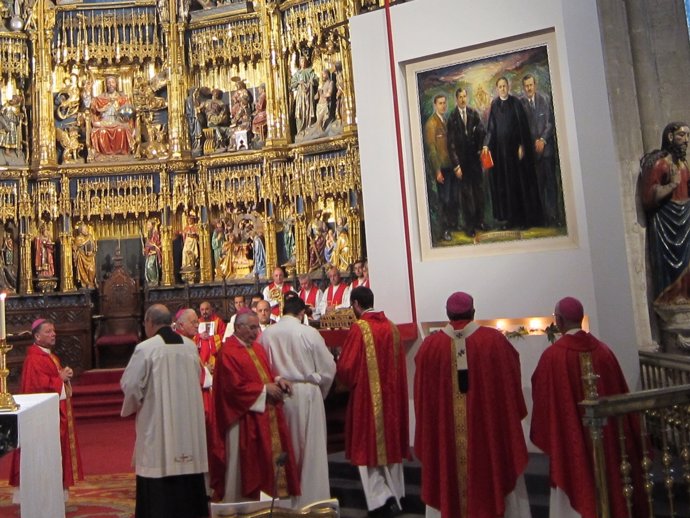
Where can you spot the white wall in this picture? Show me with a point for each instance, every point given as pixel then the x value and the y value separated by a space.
pixel 512 285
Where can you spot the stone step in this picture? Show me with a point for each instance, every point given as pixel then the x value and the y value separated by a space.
pixel 347 488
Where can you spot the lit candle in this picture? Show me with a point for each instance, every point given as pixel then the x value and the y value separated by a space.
pixel 3 328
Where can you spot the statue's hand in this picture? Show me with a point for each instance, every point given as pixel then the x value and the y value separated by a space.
pixel 675 175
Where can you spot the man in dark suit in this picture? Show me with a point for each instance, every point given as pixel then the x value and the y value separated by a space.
pixel 541 124
pixel 465 139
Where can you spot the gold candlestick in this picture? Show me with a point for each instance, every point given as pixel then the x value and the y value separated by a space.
pixel 7 402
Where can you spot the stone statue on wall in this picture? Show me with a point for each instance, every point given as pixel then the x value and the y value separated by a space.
pixel 13 137
pixel 44 249
pixel 303 86
pixel 8 261
pixel 325 106
pixel 152 253
pixel 217 242
pixel 84 249
pixel 112 122
pixel 317 240
pixel 342 256
pixel 67 100
pixel 196 117
pixel 217 115
pixel 664 190
pixel 259 250
pixel 190 247
pixel 260 119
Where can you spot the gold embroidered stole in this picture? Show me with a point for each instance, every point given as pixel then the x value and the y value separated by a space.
pixel 457 344
pixel 375 384
pixel 70 426
pixel 276 446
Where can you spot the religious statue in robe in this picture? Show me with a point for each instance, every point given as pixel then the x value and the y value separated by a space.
pixel 342 256
pixel 190 247
pixel 317 241
pixel 8 266
pixel 329 247
pixel 67 100
pixel 260 119
pixel 217 242
pixel 84 249
pixel 44 248
pixel 289 240
pixel 664 181
pixel 259 250
pixel 13 122
pixel 9 260
pixel 326 97
pixel 112 122
pixel 225 267
pixel 152 253
pixel 303 86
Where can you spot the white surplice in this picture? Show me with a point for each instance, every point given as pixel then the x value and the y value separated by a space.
pixel 299 354
pixel 161 384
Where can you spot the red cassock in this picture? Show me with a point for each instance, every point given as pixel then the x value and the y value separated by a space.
pixel 372 364
pixel 40 375
pixel 558 430
pixel 479 435
pixel 239 379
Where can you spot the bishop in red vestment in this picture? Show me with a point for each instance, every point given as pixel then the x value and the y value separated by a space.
pixel 248 403
pixel 469 407
pixel 42 373
pixel 557 428
pixel 372 366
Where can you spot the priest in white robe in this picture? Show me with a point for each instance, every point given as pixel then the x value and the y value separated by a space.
pixel 299 354
pixel 161 385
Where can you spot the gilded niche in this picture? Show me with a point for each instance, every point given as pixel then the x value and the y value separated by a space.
pixel 207 141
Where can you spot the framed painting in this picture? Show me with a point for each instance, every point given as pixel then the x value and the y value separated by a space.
pixel 489 149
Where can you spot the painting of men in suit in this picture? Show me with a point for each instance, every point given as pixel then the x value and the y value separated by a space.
pixel 500 155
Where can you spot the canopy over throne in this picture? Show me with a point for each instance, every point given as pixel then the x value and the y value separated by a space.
pixel 119 324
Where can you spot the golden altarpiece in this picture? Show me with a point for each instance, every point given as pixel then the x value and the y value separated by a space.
pixel 204 142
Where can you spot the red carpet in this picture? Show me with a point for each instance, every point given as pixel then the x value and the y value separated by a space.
pixel 108 489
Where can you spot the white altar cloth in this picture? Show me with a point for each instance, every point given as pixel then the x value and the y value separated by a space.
pixel 40 477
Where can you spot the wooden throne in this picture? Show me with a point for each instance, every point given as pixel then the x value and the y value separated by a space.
pixel 119 323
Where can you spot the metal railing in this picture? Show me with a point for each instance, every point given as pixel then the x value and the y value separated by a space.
pixel 659 370
pixel 662 412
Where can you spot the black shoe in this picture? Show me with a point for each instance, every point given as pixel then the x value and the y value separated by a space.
pixel 388 510
pixel 446 236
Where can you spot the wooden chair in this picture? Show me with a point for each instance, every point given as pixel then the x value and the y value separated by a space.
pixel 119 322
